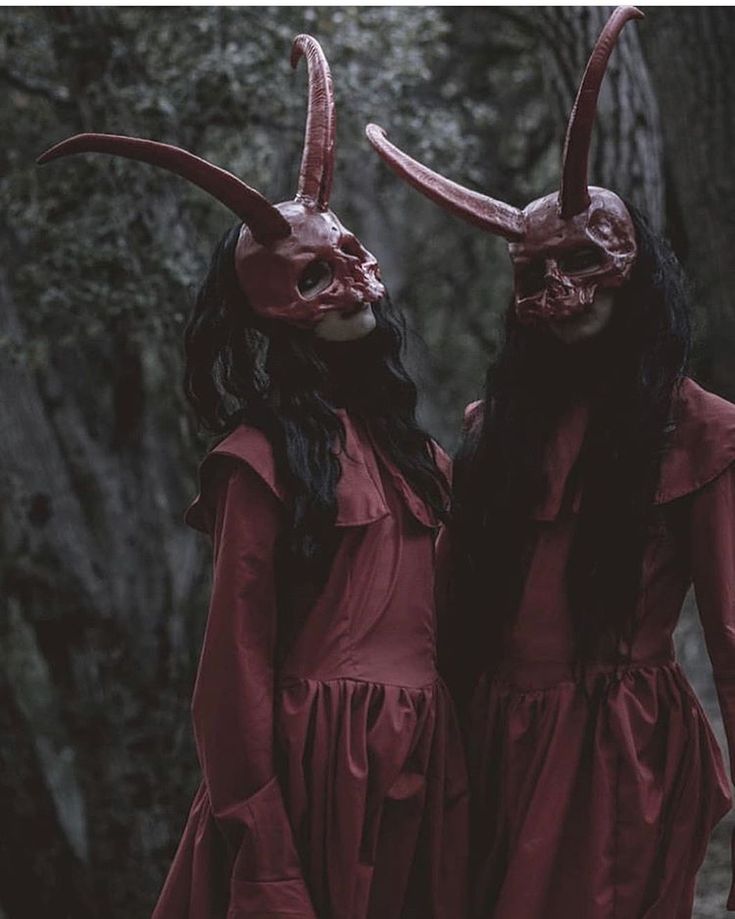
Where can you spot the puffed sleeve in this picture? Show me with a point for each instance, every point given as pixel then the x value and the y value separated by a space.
pixel 233 701
pixel 713 570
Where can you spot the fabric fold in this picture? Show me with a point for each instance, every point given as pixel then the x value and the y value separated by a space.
pixel 576 794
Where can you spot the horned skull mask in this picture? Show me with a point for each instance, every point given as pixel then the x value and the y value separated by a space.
pixel 565 245
pixel 294 261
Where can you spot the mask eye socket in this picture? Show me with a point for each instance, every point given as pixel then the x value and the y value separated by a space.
pixel 580 261
pixel 530 279
pixel 315 278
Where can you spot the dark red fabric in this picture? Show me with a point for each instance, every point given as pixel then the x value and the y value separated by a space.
pixel 596 800
pixel 334 787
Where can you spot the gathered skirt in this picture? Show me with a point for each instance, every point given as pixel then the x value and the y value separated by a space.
pixel 375 789
pixel 592 799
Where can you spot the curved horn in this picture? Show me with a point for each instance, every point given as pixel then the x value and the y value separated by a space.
pixel 317 162
pixel 266 223
pixel 487 213
pixel 573 196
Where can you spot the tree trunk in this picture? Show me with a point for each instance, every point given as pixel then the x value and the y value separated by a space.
pixel 102 586
pixel 690 51
pixel 98 583
pixel 627 146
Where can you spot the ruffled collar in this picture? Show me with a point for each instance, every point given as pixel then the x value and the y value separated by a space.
pixel 702 446
pixel 361 497
pixel 369 447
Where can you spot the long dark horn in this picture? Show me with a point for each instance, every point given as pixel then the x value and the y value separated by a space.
pixel 317 162
pixel 573 196
pixel 265 222
pixel 487 213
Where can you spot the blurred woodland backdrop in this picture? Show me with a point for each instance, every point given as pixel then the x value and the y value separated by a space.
pixel 104 590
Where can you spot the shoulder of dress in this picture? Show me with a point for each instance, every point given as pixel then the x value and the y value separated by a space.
pixel 251 446
pixel 702 442
pixel 245 444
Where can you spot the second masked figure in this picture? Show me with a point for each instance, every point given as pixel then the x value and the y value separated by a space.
pixel 596 483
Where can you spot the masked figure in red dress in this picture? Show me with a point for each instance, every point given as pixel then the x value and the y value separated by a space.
pixel 595 485
pixel 333 783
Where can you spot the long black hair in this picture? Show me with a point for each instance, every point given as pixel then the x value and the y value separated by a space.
pixel 241 368
pixel 629 374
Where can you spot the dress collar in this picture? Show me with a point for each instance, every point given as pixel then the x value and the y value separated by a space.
pixel 360 495
pixel 359 464
pixel 701 446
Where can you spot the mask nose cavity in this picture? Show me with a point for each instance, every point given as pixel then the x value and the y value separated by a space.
pixel 350 246
pixel 555 282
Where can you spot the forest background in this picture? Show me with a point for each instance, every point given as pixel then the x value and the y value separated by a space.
pixel 104 590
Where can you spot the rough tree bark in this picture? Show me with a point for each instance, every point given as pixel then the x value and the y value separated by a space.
pixel 95 559
pixel 690 50
pixel 99 581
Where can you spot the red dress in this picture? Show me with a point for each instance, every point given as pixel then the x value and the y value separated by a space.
pixel 599 805
pixel 334 786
